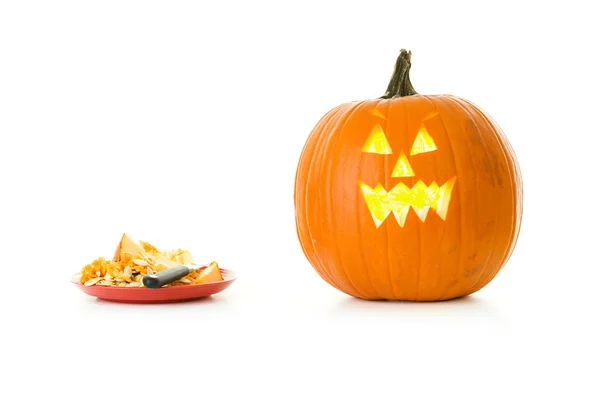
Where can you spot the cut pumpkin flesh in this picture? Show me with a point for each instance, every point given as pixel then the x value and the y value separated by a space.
pixel 212 273
pixel 127 245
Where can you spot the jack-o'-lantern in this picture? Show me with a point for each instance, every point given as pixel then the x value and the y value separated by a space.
pixel 408 197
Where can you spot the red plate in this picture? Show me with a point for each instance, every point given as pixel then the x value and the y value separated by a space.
pixel 163 295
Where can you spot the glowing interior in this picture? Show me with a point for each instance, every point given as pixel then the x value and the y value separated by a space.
pixel 398 200
pixel 402 167
pixel 377 142
pixel 423 142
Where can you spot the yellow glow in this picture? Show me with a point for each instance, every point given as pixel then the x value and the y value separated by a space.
pixel 377 113
pixel 398 200
pixel 400 215
pixel 443 202
pixel 377 201
pixel 423 142
pixel 377 142
pixel 402 167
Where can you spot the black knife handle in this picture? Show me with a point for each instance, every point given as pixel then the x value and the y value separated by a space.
pixel 161 278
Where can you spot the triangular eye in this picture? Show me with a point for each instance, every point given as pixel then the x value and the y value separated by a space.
pixel 423 143
pixel 402 167
pixel 377 142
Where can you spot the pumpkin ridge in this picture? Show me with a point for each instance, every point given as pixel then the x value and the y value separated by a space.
pixel 328 147
pixel 345 285
pixel 439 272
pixel 337 125
pixel 319 136
pixel 508 251
pixel 483 271
pixel 419 231
pixel 509 154
pixel 451 100
pixel 458 192
pixel 387 230
pixel 387 124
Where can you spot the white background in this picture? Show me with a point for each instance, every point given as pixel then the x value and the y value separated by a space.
pixel 181 123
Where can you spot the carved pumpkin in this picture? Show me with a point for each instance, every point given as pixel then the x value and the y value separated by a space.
pixel 407 197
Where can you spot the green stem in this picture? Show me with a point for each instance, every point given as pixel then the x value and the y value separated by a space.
pixel 400 85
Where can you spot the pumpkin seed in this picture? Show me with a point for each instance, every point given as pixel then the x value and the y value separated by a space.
pixel 139 262
pixel 92 281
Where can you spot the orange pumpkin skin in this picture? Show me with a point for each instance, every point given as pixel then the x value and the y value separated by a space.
pixel 434 259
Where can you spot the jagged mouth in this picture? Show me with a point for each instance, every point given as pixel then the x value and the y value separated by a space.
pixel 401 198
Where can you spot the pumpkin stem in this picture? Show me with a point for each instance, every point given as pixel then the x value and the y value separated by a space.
pixel 400 85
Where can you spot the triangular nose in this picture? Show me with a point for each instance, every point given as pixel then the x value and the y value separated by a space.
pixel 402 167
